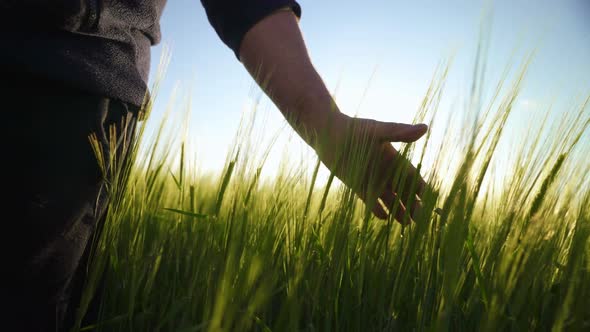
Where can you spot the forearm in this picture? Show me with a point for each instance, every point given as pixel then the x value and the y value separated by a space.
pixel 274 53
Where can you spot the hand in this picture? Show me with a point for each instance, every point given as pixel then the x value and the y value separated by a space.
pixel 359 153
pixel 275 55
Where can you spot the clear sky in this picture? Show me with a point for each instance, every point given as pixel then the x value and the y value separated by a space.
pixel 401 42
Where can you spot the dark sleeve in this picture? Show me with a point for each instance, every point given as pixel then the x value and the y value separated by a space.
pixel 231 19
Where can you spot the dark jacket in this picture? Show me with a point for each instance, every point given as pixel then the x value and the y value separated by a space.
pixel 103 46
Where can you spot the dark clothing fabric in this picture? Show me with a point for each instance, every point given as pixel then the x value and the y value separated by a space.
pixel 100 46
pixel 103 46
pixel 54 192
pixel 231 19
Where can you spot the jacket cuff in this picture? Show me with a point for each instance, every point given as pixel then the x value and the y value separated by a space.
pixel 232 20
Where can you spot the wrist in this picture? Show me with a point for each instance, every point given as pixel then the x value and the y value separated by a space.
pixel 315 111
pixel 317 115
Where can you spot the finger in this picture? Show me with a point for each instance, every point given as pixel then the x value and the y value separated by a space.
pixel 399 132
pixel 401 214
pixel 387 177
pixel 398 204
pixel 421 186
pixel 399 169
pixel 388 199
pixel 379 211
pixel 415 185
pixel 391 201
pixel 410 199
pixel 416 209
pixel 376 207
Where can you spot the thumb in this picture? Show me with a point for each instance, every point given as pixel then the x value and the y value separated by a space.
pixel 400 132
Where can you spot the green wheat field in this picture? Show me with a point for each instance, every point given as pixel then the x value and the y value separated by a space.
pixel 233 252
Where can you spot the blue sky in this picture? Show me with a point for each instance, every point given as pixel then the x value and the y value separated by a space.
pixel 400 42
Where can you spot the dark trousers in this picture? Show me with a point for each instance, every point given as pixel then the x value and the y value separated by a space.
pixel 53 195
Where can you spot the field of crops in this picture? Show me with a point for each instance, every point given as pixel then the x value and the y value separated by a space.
pixel 506 250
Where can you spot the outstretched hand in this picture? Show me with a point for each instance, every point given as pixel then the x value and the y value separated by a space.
pixel 360 154
pixel 358 151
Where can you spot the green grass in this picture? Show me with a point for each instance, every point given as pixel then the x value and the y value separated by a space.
pixel 182 252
